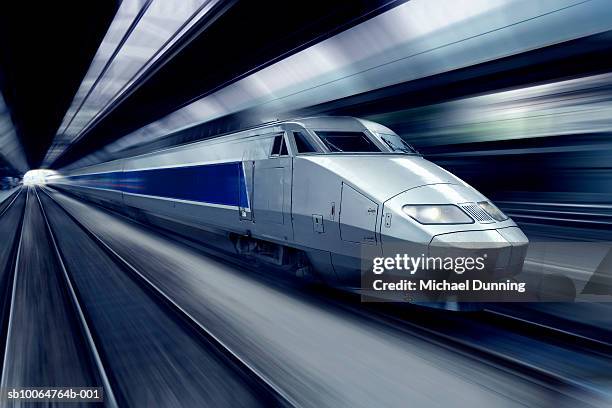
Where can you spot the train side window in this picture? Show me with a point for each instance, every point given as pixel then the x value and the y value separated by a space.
pixel 276 147
pixel 302 143
pixel 284 151
pixel 279 147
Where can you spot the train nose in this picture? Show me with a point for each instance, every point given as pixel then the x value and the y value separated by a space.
pixel 501 251
pixel 468 234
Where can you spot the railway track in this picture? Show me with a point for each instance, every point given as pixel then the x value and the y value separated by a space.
pixel 260 386
pixel 48 322
pixel 10 260
pixel 109 395
pixel 470 335
pixel 542 330
pixel 6 204
pixel 446 329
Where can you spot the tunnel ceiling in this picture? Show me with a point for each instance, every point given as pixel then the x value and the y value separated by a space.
pixel 45 50
pixel 246 37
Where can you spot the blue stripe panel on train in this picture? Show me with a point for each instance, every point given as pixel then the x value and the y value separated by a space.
pixel 221 183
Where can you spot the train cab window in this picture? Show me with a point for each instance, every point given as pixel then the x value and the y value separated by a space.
pixel 302 143
pixel 284 151
pixel 276 147
pixel 279 148
pixel 348 142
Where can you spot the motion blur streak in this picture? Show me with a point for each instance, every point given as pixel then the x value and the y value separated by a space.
pixel 571 107
pixel 10 148
pixel 397 46
pixel 140 35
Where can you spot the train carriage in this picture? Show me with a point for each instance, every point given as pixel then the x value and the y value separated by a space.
pixel 310 193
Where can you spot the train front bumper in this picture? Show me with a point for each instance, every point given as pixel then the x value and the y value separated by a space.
pixel 501 251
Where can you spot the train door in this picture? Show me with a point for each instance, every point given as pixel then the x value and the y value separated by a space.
pixel 272 192
pixel 245 190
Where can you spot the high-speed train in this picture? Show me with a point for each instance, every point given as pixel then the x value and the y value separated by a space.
pixel 310 194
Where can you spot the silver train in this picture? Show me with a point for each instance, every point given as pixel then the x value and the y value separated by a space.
pixel 310 195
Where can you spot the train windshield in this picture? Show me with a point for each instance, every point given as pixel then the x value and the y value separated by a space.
pixel 347 142
pixel 396 143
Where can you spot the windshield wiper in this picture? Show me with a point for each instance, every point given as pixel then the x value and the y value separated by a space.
pixel 388 143
pixel 406 149
pixel 330 144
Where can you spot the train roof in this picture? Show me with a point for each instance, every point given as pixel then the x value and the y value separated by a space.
pixel 340 123
pixel 346 123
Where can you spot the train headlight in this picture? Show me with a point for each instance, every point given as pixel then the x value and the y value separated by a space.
pixel 437 214
pixel 493 211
